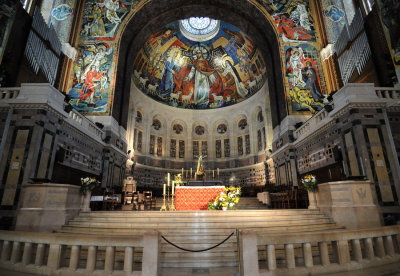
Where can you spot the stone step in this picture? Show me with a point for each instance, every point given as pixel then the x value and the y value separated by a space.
pixel 198 230
pixel 167 219
pixel 235 213
pixel 199 225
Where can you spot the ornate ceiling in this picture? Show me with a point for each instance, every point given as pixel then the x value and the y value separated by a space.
pixel 199 63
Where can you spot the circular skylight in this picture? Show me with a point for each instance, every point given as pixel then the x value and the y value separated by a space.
pixel 199 28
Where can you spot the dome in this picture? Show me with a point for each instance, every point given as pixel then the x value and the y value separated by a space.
pixel 199 63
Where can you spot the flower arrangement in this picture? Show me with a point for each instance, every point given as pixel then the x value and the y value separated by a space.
pixel 228 198
pixel 310 182
pixel 88 184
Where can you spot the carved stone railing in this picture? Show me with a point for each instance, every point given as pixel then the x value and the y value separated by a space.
pixel 318 252
pixel 387 93
pixel 351 93
pixel 78 119
pixel 7 93
pixel 68 254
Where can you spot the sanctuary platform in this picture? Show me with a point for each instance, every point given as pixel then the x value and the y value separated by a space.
pixel 205 183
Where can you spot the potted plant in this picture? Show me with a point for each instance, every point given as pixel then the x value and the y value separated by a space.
pixel 87 186
pixel 226 199
pixel 310 184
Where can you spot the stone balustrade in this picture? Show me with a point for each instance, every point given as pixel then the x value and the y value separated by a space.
pixel 65 254
pixel 318 252
pixel 8 93
pixel 387 92
pixel 353 93
pixel 83 123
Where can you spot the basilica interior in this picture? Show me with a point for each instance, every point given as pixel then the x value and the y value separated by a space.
pixel 136 117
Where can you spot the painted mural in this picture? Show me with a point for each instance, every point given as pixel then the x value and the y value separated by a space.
pixel 91 80
pixel 101 18
pixel 179 72
pixel 61 18
pixel 390 13
pixel 292 18
pixel 218 72
pixel 93 75
pixel 334 18
pixel 304 78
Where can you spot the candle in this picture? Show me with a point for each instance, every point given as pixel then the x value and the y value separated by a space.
pixel 191 173
pixel 173 187
pixel 168 179
pixel 218 172
pixel 182 172
pixel 213 174
pixel 164 189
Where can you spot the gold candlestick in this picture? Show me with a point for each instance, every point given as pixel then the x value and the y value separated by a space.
pixel 172 205
pixel 164 206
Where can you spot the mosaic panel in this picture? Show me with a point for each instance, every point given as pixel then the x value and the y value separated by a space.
pixel 304 79
pixel 292 19
pixel 390 12
pixel 219 72
pixel 334 18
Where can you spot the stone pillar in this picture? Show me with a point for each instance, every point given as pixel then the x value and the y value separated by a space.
pixel 271 257
pixel 53 262
pixel 369 248
pixel 151 257
pixel 380 250
pixel 248 254
pixel 289 252
pixel 128 259
pixel 308 260
pixel 91 258
pixel 26 256
pixel 16 252
pixel 357 250
pixel 323 248
pixel 5 251
pixel 389 245
pixel 109 262
pixel 343 252
pixel 39 254
pixel 74 260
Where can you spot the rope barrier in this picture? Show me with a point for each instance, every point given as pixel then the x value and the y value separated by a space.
pixel 201 250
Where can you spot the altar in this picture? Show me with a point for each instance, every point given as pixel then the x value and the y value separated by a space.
pixel 195 197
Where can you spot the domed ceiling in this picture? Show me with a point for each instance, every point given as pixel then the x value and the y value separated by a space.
pixel 199 63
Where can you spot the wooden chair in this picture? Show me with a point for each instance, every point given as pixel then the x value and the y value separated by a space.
pixel 149 201
pixel 129 189
pixel 109 200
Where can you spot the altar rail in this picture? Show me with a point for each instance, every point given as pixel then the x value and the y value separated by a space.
pixel 63 254
pixel 319 252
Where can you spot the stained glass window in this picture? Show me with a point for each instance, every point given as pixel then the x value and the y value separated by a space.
pixel 199 28
pixel 173 148
pixel 181 149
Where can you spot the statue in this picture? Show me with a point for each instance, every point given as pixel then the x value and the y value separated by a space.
pixel 200 168
pixel 130 163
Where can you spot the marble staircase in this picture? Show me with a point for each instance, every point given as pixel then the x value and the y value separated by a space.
pixel 197 230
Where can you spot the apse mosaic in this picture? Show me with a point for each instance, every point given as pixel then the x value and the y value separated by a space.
pixel 304 78
pixel 221 68
pixel 292 19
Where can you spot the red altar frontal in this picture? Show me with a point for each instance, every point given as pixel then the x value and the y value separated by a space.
pixel 195 197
